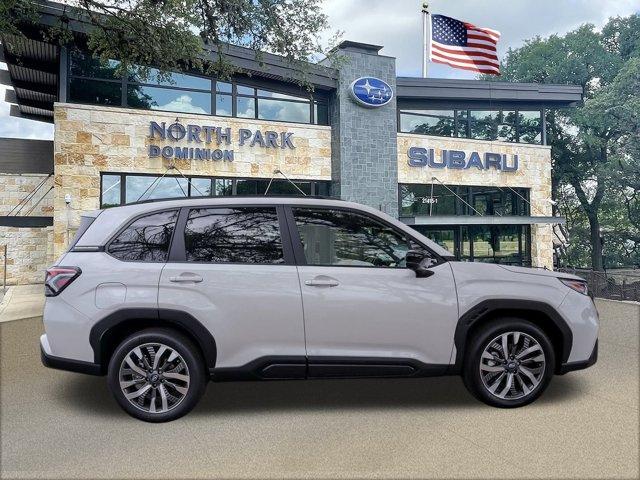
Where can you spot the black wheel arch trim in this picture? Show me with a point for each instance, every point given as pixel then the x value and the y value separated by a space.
pixel 164 317
pixel 510 307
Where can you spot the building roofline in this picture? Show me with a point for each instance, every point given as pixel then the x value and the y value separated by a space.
pixel 413 88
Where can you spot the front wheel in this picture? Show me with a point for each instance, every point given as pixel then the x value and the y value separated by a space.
pixel 156 375
pixel 509 363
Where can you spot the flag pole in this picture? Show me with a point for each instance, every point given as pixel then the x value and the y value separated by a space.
pixel 426 37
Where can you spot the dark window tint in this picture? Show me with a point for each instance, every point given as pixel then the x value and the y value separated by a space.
pixel 233 235
pixel 95 92
pixel 342 238
pixel 146 239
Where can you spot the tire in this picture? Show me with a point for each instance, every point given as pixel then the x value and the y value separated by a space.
pixel 162 389
pixel 524 375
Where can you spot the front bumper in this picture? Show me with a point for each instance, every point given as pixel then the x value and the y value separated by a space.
pixel 68 364
pixel 573 366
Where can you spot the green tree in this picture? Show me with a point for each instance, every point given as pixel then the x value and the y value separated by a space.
pixel 172 35
pixel 594 146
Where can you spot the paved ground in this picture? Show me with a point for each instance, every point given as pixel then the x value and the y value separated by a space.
pixel 63 425
pixel 22 301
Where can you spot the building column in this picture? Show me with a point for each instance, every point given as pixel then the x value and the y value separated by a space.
pixel 364 140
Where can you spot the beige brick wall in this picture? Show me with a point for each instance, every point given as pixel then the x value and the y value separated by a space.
pixel 29 252
pixel 92 139
pixel 534 173
pixel 15 188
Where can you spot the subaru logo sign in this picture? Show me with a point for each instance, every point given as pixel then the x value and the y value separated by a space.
pixel 371 92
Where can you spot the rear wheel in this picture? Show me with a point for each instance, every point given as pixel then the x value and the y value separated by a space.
pixel 509 363
pixel 157 375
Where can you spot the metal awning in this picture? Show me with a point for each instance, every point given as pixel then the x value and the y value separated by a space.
pixel 481 220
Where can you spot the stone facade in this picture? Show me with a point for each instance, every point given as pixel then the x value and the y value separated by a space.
pixel 364 139
pixel 534 173
pixel 29 253
pixel 92 139
pixel 29 250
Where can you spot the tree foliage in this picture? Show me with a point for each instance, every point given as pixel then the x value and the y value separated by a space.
pixel 171 35
pixel 595 147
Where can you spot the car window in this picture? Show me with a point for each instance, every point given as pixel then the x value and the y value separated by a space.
pixel 146 239
pixel 233 235
pixel 345 238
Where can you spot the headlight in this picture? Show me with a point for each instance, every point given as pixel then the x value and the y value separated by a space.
pixel 579 286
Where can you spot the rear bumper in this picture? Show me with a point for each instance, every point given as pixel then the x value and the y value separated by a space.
pixel 70 365
pixel 573 366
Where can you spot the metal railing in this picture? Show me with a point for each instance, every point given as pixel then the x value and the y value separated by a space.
pixel 619 284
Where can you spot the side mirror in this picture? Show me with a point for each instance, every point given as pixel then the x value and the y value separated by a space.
pixel 419 262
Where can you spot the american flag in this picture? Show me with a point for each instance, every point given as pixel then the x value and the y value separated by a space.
pixel 463 45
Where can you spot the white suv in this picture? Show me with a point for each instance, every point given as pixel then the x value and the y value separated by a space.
pixel 163 296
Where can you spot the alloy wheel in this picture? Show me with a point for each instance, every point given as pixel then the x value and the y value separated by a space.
pixel 154 377
pixel 512 365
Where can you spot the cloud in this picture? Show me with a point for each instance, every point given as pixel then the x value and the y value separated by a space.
pixel 397 25
pixel 183 103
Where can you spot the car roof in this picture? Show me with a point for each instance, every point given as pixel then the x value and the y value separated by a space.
pixel 110 220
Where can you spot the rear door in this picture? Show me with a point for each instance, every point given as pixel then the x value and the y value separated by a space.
pixel 232 271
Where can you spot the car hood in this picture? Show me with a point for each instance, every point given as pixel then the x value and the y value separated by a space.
pixel 494 270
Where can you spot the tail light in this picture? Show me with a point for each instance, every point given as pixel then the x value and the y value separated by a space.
pixel 58 278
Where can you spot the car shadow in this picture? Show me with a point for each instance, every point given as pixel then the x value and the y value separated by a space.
pixel 316 395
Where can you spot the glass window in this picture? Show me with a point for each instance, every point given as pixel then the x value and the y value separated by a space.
pixel 245 107
pixel 283 187
pixel 445 238
pixel 223 187
pixel 529 127
pixel 95 92
pixel 223 87
pixel 483 125
pixel 83 64
pixel 267 93
pixel 146 239
pixel 321 113
pixel 200 187
pixel 418 200
pixel 341 238
pixel 246 187
pixel 283 111
pixel 462 119
pixel 506 124
pixel 157 98
pixel 152 75
pixel 223 105
pixel 142 187
pixel 233 235
pixel 242 90
pixel 110 191
pixel 323 189
pixel 428 122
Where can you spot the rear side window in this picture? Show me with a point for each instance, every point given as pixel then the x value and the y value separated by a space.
pixel 85 223
pixel 233 235
pixel 146 239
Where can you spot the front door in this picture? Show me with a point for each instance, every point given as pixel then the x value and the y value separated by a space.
pixel 230 269
pixel 361 304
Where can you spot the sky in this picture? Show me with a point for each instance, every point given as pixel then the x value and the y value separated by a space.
pixel 397 25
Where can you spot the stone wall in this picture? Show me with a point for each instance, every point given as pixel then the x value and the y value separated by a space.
pixel 534 173
pixel 92 139
pixel 364 139
pixel 29 250
pixel 15 188
pixel 29 253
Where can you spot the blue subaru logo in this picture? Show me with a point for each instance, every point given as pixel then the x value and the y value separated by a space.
pixel 371 92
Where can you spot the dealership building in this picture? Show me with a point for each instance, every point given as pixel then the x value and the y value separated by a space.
pixel 464 162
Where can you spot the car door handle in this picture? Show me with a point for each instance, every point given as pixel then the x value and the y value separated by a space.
pixel 322 281
pixel 186 278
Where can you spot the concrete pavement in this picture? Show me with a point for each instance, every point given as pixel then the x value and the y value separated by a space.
pixel 22 301
pixel 62 425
